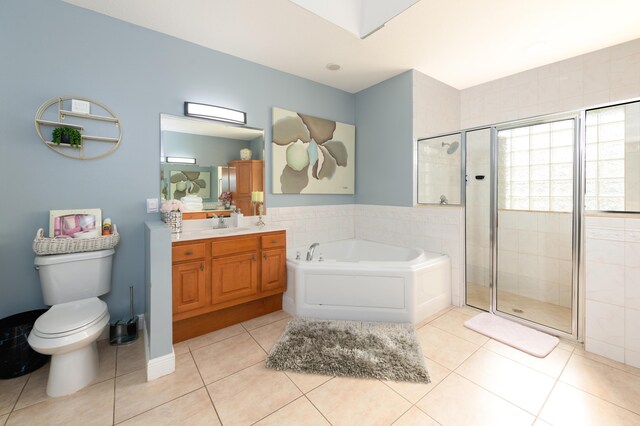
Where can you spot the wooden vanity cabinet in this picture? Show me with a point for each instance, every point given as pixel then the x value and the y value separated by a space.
pixel 208 214
pixel 274 263
pixel 188 276
pixel 222 281
pixel 249 178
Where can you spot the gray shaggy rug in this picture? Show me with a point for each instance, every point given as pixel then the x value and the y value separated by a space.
pixel 387 351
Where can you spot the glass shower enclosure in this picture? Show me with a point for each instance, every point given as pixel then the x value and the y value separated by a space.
pixel 522 221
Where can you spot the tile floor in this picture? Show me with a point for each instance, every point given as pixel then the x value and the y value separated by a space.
pixel 220 379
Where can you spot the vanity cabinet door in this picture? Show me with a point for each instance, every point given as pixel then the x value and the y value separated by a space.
pixel 189 286
pixel 234 277
pixel 274 270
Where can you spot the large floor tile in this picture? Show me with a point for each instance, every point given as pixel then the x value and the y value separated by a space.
pixel 180 348
pixel 299 412
pixel 570 406
pixel 134 395
pixel 131 357
pixel 192 409
pixel 36 388
pixel 214 337
pixel 265 319
pixel 603 381
pixel 550 365
pixel 349 401
pixel 457 401
pixel 107 361
pixel 307 382
pixel 90 406
pixel 434 316
pixel 610 362
pixel 10 390
pixel 221 359
pixel 443 347
pixel 518 384
pixel 453 322
pixel 415 417
pixel 268 335
pixel 413 392
pixel 252 394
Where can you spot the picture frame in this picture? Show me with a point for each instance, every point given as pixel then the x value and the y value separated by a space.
pixel 77 223
pixel 311 155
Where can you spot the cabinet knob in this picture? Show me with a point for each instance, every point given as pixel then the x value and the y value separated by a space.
pixel 264 256
pixel 188 253
pixel 202 266
pixel 254 258
pixel 274 241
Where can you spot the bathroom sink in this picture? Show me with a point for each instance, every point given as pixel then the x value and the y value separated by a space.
pixel 203 233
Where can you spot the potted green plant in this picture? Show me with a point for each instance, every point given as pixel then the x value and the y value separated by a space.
pixel 66 135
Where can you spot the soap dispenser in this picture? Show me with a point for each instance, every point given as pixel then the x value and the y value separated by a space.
pixel 236 218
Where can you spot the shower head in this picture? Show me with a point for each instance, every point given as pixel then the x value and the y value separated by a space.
pixel 453 146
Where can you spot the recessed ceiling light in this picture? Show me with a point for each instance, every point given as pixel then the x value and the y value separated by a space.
pixel 333 67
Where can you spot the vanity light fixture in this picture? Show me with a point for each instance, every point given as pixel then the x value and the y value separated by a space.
pixel 181 160
pixel 212 112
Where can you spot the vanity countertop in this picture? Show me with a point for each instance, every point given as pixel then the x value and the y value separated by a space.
pixel 205 233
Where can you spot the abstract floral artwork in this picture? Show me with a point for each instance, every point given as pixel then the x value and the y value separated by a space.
pixel 184 182
pixel 312 155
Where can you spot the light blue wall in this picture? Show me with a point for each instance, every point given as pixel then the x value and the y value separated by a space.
pixel 384 148
pixel 50 48
pixel 158 292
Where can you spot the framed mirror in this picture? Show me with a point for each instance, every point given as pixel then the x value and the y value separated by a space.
pixel 203 163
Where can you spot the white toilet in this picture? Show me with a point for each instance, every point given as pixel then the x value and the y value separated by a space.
pixel 71 284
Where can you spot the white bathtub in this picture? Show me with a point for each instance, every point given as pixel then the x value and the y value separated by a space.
pixel 367 281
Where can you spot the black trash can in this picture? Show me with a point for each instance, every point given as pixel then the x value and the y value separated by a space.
pixel 16 356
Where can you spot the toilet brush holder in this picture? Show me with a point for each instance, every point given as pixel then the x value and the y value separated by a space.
pixel 123 332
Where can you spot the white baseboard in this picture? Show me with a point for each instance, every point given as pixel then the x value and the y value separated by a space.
pixel 160 366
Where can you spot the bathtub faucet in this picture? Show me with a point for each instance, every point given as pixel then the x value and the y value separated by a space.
pixel 311 250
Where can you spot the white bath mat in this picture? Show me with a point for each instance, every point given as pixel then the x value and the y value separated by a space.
pixel 526 339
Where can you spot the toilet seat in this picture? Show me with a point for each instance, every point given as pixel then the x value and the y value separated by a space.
pixel 70 318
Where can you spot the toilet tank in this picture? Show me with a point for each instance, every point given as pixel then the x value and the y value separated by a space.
pixel 75 276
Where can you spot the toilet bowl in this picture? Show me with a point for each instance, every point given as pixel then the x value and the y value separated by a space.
pixel 69 329
pixel 68 332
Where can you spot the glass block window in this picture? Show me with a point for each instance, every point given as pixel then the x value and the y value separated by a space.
pixel 535 167
pixel 605 159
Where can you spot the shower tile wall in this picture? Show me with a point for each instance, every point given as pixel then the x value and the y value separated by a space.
pixel 439 170
pixel 534 252
pixel 479 210
pixel 610 74
pixel 612 257
pixel 605 75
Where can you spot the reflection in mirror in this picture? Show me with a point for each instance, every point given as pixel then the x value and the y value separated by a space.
pixel 439 170
pixel 613 158
pixel 228 158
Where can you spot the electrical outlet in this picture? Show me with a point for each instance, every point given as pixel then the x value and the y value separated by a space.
pixel 152 205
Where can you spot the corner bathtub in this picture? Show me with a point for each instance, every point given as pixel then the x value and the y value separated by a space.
pixel 367 281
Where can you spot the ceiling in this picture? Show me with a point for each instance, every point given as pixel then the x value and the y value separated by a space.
pixel 459 42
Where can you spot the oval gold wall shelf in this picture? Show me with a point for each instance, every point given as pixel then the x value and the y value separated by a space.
pixel 75 120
